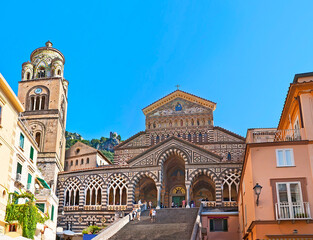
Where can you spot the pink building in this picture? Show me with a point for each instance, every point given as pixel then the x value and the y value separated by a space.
pixel 275 196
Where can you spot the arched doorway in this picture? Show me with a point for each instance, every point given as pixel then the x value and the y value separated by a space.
pixel 174 189
pixel 202 189
pixel 145 190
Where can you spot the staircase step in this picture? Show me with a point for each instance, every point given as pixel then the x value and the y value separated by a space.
pixel 171 223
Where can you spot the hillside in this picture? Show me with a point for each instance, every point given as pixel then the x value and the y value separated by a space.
pixel 104 144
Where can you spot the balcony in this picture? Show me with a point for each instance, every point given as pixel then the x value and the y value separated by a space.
pixel 18 181
pixel 273 135
pixel 292 211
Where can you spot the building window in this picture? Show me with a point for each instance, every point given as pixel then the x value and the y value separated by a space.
pixel 12 227
pixel 284 157
pixel 290 203
pixel 87 161
pixel 93 192
pixel 218 225
pixel 28 75
pixel 82 161
pixel 21 141
pixel 76 162
pixel 31 156
pixel 289 192
pixel 230 187
pixel 29 181
pixel 229 156
pixel 72 193
pixel 41 207
pixel 117 191
pixel 72 163
pixel 19 168
pixel 41 72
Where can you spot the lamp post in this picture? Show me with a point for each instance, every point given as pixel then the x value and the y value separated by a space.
pixel 257 190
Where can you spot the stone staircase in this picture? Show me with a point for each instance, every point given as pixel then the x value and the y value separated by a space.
pixel 170 224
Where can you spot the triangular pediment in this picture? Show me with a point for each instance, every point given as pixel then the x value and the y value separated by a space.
pixel 190 152
pixel 180 96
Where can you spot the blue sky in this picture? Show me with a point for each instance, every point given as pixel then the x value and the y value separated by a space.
pixel 123 55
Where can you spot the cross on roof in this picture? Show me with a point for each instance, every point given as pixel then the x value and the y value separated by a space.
pixel 177 86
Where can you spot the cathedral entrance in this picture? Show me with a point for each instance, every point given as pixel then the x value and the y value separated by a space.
pixel 174 181
pixel 145 190
pixel 178 195
pixel 203 189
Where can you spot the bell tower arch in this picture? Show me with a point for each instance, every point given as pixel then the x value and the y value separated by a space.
pixel 43 93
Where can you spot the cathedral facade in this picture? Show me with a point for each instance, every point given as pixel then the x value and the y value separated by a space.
pixel 180 156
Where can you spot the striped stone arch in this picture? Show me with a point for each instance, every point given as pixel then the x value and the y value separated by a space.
pixel 170 152
pixel 228 171
pixel 141 175
pixel 202 171
pixel 107 185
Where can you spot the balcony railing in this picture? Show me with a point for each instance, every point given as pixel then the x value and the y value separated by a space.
pixel 208 203
pixel 18 177
pixel 229 204
pixel 292 211
pixel 274 135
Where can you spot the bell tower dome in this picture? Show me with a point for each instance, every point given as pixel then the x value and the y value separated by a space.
pixel 43 93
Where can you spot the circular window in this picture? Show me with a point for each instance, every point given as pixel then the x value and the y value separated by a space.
pixel 77 150
pixel 38 90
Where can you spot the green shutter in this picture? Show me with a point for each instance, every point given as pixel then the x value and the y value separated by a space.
pixel 41 207
pixel 31 153
pixel 16 202
pixel 211 225
pixel 22 140
pixel 29 181
pixel 52 212
pixel 19 168
pixel 225 225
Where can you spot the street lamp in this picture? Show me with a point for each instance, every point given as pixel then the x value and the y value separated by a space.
pixel 257 190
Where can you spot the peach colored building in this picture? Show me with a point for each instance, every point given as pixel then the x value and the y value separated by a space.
pixel 281 162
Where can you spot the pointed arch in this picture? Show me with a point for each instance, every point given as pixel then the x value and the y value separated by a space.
pixel 71 191
pixel 93 186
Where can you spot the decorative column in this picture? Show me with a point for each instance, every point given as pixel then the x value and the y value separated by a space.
pixel 188 195
pixel 218 192
pixel 159 190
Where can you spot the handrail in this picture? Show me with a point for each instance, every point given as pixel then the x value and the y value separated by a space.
pixel 292 210
pixel 197 225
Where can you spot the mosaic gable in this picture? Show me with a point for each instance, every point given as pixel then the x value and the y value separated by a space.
pixel 179 106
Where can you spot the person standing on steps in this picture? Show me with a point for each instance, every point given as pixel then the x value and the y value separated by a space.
pixel 184 203
pixel 173 204
pixel 138 213
pixel 153 214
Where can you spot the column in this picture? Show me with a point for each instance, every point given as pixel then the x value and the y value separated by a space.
pixel 188 195
pixel 159 190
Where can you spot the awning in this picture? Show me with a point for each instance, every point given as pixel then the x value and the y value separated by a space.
pixel 43 183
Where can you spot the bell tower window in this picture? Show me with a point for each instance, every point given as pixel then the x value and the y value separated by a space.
pixel 41 72
pixel 28 75
pixel 59 72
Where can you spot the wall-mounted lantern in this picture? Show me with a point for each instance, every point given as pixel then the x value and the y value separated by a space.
pixel 257 190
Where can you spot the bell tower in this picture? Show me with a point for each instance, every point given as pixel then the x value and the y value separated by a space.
pixel 43 93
